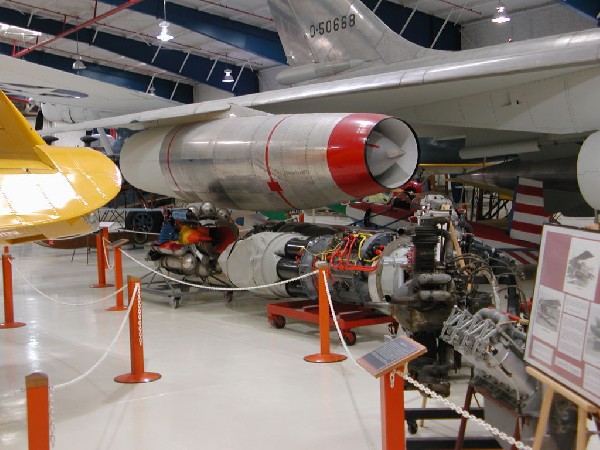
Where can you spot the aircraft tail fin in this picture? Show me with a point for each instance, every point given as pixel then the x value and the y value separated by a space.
pixel 20 142
pixel 528 214
pixel 336 31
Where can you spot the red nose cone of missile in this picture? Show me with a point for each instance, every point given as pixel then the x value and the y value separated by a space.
pixel 369 153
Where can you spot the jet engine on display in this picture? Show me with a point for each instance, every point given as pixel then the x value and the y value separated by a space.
pixel 446 289
pixel 273 162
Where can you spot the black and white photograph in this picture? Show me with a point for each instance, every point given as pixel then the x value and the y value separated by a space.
pixel 583 264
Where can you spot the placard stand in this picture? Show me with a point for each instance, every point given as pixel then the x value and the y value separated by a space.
pixel 584 408
pixel 384 363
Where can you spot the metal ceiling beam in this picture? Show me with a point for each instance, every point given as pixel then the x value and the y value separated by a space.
pixel 422 28
pixel 85 24
pixel 252 39
pixel 196 68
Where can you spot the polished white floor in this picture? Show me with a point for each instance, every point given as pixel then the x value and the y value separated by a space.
pixel 229 381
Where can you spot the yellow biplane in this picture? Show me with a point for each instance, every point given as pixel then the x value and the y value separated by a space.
pixel 46 191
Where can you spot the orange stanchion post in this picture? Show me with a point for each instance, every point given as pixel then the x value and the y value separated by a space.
pixel 9 312
pixel 118 267
pixel 325 356
pixel 101 239
pixel 392 410
pixel 136 340
pixel 38 411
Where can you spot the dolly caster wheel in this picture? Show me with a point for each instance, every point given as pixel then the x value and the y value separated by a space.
pixel 174 302
pixel 277 321
pixel 412 426
pixel 349 337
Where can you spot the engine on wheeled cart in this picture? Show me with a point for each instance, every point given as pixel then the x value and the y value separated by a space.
pixel 191 240
pixel 443 286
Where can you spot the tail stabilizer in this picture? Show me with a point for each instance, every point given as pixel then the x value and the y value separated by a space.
pixel 334 31
pixel 47 191
pixel 19 141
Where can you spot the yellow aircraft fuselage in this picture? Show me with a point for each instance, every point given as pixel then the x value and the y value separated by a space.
pixel 46 191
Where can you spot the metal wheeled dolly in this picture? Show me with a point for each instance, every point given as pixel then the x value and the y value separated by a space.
pixel 348 316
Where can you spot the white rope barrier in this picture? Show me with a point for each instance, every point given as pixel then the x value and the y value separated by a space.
pixel 92 302
pixel 424 389
pixel 337 325
pixel 148 233
pixel 136 291
pixel 105 244
pixel 56 387
pixel 215 288
pixel 464 413
pixel 12 393
pixel 520 445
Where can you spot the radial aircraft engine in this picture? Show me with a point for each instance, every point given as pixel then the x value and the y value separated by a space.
pixel 268 162
pixel 445 288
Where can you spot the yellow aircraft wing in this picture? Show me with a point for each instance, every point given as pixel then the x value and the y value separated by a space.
pixel 46 191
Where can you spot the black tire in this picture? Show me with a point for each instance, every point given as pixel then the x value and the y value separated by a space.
pixel 150 221
pixel 412 426
pixel 277 321
pixel 349 337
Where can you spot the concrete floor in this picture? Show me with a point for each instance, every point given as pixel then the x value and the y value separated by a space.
pixel 229 380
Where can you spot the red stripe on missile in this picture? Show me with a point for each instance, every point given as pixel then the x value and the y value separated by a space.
pixel 346 155
pixel 177 130
pixel 273 185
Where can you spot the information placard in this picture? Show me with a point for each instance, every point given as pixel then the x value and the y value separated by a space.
pixel 395 353
pixel 564 332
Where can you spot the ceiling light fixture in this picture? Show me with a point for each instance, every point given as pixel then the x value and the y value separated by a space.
pixel 164 26
pixel 501 15
pixel 78 64
pixel 164 33
pixel 227 78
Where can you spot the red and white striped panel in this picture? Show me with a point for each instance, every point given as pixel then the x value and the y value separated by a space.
pixel 522 252
pixel 528 214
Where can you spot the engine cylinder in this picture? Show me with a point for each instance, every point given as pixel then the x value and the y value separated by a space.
pixel 184 264
pixel 287 268
pixel 295 246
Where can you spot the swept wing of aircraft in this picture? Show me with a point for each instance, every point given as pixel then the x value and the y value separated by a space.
pixel 512 98
pixel 67 97
pixel 45 191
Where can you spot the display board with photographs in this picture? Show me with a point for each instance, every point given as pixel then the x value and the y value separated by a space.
pixel 564 332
